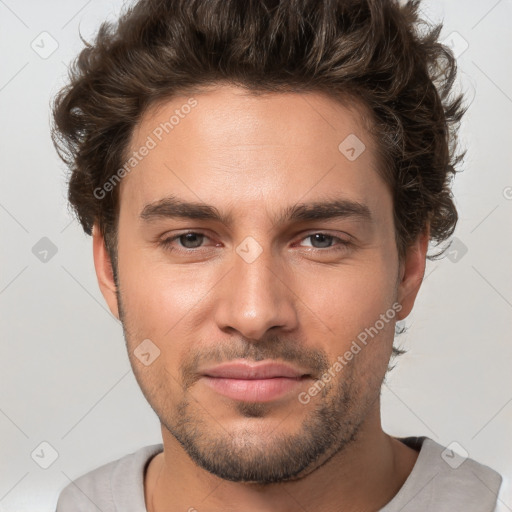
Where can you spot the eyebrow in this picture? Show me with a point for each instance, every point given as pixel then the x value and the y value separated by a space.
pixel 172 207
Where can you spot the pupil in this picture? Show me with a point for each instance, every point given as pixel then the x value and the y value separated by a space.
pixel 325 237
pixel 187 238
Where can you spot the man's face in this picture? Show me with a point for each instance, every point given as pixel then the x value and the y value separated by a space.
pixel 261 286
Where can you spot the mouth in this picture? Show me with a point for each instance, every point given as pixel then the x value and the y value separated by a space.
pixel 260 382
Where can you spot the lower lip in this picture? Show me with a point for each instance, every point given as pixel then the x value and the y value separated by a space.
pixel 254 390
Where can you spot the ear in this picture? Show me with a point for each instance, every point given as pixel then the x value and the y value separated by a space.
pixel 412 270
pixel 104 272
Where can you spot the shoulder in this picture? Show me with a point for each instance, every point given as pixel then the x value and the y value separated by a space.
pixel 444 479
pixel 459 479
pixel 117 485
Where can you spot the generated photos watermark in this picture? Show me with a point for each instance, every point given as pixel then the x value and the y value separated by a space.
pixel 342 360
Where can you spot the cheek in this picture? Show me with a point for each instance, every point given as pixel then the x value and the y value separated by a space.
pixel 159 304
pixel 347 302
pixel 159 298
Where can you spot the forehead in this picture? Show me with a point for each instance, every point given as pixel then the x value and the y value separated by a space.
pixel 229 116
pixel 225 144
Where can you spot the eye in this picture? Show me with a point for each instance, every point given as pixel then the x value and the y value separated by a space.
pixel 324 242
pixel 189 241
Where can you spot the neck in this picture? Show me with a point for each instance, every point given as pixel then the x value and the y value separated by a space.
pixel 365 475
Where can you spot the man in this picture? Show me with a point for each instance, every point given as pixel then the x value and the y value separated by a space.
pixel 261 181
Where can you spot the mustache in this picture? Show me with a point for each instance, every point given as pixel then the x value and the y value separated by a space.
pixel 271 348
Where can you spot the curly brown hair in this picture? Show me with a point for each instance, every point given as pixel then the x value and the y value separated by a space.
pixel 373 51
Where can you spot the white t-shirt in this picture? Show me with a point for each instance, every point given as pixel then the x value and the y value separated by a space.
pixel 440 481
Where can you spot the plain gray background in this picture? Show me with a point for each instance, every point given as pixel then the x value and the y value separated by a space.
pixel 66 379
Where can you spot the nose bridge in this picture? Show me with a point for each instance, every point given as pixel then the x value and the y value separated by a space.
pixel 253 298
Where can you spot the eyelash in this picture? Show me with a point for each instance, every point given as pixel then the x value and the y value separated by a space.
pixel 167 243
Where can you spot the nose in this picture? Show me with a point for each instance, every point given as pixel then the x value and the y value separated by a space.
pixel 255 297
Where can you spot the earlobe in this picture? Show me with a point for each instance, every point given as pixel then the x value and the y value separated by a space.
pixel 104 271
pixel 412 272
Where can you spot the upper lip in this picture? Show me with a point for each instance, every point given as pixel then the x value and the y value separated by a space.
pixel 245 370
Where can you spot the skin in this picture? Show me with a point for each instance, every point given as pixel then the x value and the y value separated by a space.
pixel 299 301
